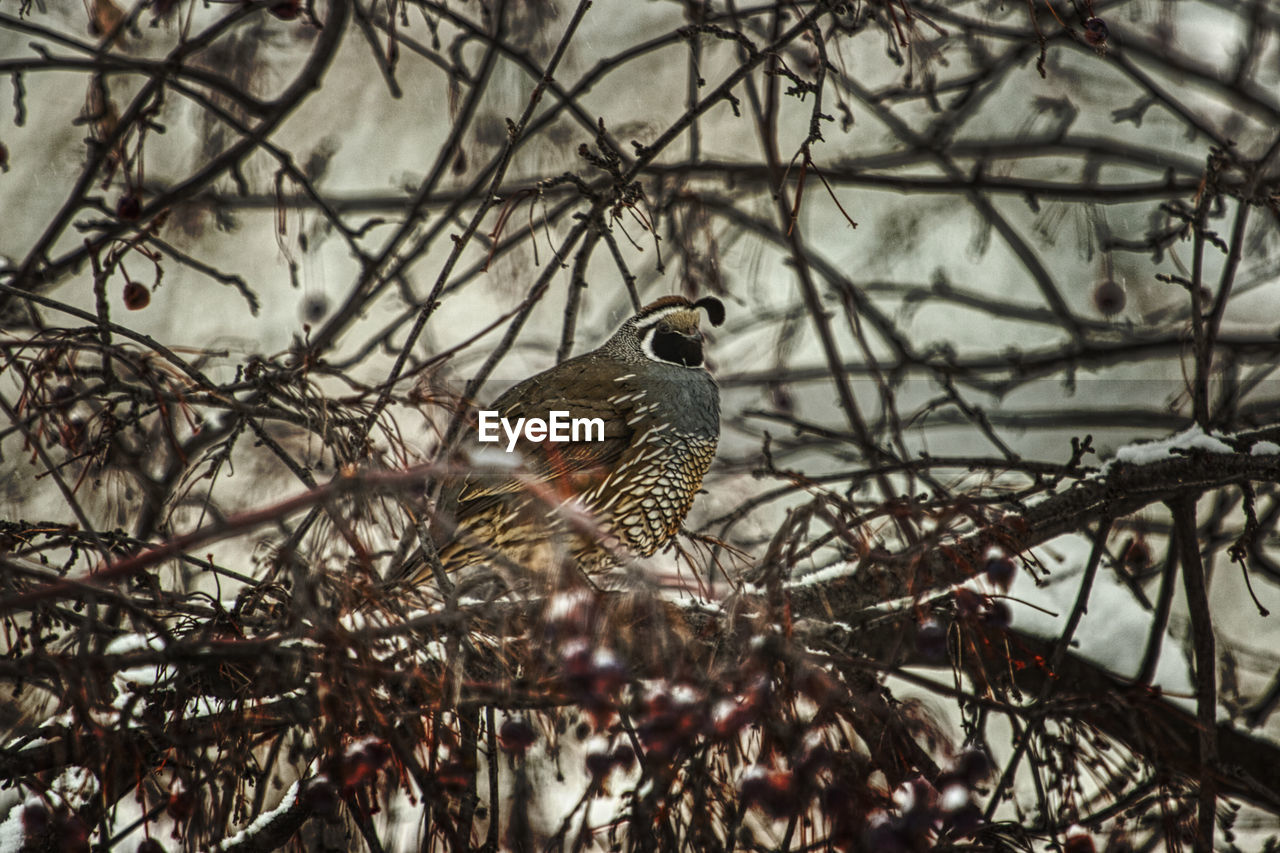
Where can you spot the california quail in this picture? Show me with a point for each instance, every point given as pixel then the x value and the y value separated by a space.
pixel 661 416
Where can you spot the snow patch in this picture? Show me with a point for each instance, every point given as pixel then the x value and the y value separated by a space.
pixel 12 833
pixel 126 643
pixel 1107 635
pixel 1148 452
pixel 149 674
pixel 75 786
pixel 261 821
pixel 821 576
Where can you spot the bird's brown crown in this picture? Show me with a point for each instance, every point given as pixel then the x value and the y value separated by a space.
pixel 680 313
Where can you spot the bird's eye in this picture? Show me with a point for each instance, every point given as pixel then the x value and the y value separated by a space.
pixel 676 348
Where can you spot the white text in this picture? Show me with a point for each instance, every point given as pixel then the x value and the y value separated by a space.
pixel 557 427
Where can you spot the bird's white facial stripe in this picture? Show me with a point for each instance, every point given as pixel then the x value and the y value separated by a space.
pixel 657 316
pixel 646 345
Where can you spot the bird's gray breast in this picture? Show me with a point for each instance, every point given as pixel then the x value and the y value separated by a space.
pixel 687 399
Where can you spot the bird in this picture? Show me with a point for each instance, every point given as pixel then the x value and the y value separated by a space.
pixel 627 491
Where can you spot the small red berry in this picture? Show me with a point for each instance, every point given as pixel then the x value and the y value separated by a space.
pixel 608 670
pixel 1078 841
pixel 576 658
pixel 287 10
pixel 516 735
pixel 730 715
pixel 972 766
pixel 61 395
pixel 816 756
pixel 599 760
pixel 968 602
pixel 999 615
pixel 931 640
pixel 71 433
pixel 1000 571
pixel 35 819
pixel 314 308
pixel 1137 553
pixel 1108 297
pixel 964 820
pixel 162 9
pixel 181 805
pixel 321 797
pixel 129 207
pixel 1096 32
pixel 136 296
pixel 774 791
pixel 75 835
pixel 624 756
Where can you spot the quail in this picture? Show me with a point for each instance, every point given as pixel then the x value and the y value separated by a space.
pixel 633 485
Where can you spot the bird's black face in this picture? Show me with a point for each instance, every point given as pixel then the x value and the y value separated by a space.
pixel 663 343
pixel 667 330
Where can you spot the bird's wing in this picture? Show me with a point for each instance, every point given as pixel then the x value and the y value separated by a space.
pixel 566 468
